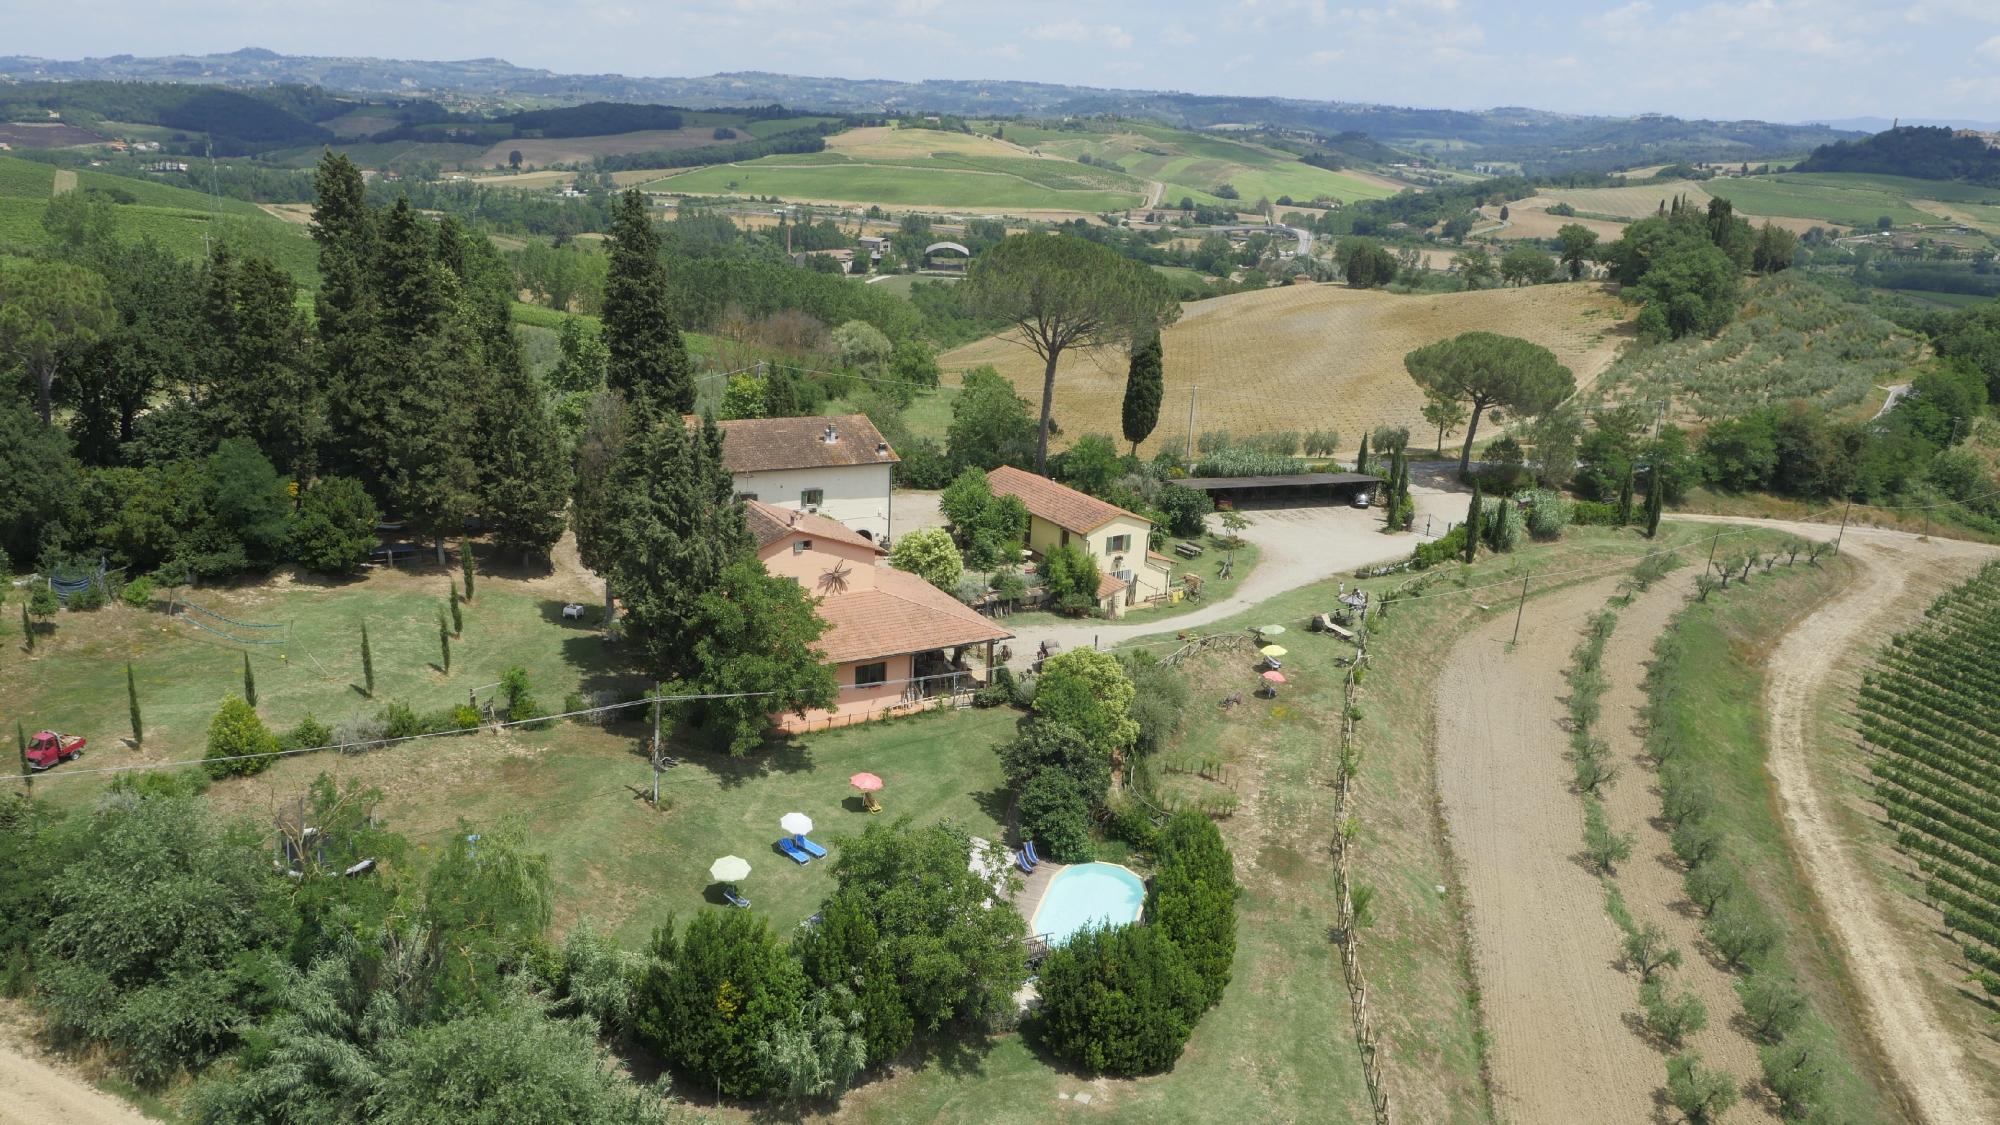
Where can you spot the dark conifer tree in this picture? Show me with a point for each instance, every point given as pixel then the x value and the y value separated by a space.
pixel 649 361
pixel 1144 388
pixel 1361 459
pixel 132 702
pixel 1656 503
pixel 1473 514
pixel 1625 498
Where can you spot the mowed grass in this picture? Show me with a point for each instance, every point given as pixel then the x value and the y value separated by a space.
pixel 1305 357
pixel 1811 197
pixel 900 185
pixel 1718 718
pixel 1195 164
pixel 573 785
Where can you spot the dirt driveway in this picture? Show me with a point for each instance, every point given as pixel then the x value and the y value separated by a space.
pixel 37 1091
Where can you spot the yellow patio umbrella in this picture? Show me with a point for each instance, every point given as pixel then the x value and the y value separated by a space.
pixel 1271 650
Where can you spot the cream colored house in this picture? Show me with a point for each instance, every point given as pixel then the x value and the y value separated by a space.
pixel 1060 516
pixel 838 467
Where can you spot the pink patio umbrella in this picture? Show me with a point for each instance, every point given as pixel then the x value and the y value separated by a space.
pixel 1274 677
pixel 868 783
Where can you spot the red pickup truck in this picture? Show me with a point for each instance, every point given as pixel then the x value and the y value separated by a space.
pixel 48 748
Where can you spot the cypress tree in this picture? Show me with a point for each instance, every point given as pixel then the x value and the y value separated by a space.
pixel 1625 498
pixel 1656 503
pixel 132 701
pixel 1361 460
pixel 444 641
pixel 367 663
pixel 648 361
pixel 465 567
pixel 457 615
pixel 27 627
pixel 676 526
pixel 249 682
pixel 1473 515
pixel 526 482
pixel 27 771
pixel 1144 389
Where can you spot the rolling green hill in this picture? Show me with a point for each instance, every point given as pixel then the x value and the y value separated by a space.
pixel 181 220
pixel 1192 164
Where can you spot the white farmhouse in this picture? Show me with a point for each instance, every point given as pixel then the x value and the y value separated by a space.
pixel 837 467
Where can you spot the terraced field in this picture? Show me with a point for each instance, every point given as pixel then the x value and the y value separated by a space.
pixel 1308 357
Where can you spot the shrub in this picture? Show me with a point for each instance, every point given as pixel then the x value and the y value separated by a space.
pixel 929 554
pixel 571 704
pixel 1774 1005
pixel 334 529
pixel 1131 822
pixel 1548 513
pixel 1673 1016
pixel 708 1000
pixel 464 717
pixel 1193 898
pixel 1646 950
pixel 1444 549
pixel 1796 1076
pixel 1710 884
pixel 1056 815
pixel 309 734
pixel 1593 513
pixel 1741 931
pixel 1119 1001
pixel 1607 849
pixel 1071 577
pixel 999 690
pixel 89 598
pixel 359 733
pixel 1159 700
pixel 521 703
pixel 238 742
pixel 138 593
pixel 1186 509
pixel 1088 691
pixel 1701 1093
pixel 399 721
pixel 1501 525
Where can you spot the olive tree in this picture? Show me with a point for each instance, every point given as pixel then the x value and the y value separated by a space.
pixel 1061 293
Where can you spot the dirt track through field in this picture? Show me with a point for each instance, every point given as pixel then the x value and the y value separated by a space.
pixel 1931 1065
pixel 34 1091
pixel 1652 881
pixel 1544 949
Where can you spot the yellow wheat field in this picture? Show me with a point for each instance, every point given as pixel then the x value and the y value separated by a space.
pixel 1308 357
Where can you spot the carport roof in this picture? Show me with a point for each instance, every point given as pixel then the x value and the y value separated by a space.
pixel 1211 484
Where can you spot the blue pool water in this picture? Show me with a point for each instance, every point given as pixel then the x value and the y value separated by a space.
pixel 1088 894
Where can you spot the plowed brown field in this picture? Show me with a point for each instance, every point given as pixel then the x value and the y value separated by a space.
pixel 1308 357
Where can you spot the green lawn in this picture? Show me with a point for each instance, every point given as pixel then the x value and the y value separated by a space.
pixel 1810 197
pixel 904 185
pixel 1718 718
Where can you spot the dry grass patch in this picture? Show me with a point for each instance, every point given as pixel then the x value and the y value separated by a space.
pixel 1308 357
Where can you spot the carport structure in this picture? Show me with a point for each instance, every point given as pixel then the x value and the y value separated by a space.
pixel 1288 490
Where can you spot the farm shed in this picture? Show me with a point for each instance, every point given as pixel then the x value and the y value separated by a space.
pixel 1289 490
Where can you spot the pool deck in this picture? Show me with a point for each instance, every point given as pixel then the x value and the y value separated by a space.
pixel 1033 887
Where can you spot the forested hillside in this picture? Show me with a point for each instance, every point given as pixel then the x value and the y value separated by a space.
pixel 1922 152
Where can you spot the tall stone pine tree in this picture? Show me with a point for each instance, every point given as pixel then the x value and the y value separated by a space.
pixel 1144 388
pixel 417 380
pixel 649 361
pixel 676 527
pixel 264 382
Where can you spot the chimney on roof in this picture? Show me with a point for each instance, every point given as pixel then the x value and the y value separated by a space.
pixel 831 434
pixel 881 448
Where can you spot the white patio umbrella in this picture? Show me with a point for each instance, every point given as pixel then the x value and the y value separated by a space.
pixel 796 823
pixel 729 869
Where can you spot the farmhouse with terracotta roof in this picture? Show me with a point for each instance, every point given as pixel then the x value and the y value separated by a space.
pixel 1060 516
pixel 837 467
pixel 896 642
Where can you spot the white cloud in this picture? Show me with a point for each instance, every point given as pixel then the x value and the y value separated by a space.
pixel 1076 31
pixel 1322 58
pixel 1174 35
pixel 1989 49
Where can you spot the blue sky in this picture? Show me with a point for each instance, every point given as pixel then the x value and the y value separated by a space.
pixel 1770 59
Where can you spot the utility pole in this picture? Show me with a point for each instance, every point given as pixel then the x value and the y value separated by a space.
pixel 1842 534
pixel 657 707
pixel 1519 610
pixel 1717 538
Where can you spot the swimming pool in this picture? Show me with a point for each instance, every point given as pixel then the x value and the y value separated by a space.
pixel 1100 894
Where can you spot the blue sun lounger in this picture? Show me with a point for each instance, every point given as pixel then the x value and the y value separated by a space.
pixel 805 844
pixel 798 856
pixel 1021 861
pixel 735 899
pixel 1029 847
